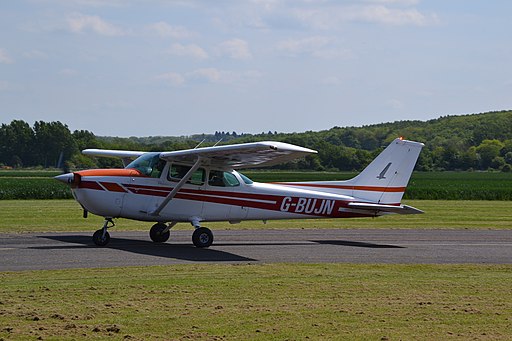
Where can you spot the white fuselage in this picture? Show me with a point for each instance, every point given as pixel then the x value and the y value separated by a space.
pixel 123 195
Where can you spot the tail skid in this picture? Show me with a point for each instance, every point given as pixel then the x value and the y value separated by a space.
pixel 382 182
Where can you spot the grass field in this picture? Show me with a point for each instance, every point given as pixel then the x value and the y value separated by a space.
pixel 423 185
pixel 20 216
pixel 260 302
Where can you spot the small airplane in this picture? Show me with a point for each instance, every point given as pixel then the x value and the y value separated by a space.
pixel 203 185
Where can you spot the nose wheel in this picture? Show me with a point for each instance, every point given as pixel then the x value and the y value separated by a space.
pixel 101 237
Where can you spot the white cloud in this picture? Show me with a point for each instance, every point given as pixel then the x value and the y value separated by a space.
pixel 4 58
pixel 267 5
pixel 35 54
pixel 333 53
pixel 395 2
pixel 217 76
pixel 4 86
pixel 191 50
pixel 317 46
pixel 235 48
pixel 68 72
pixel 331 17
pixel 211 75
pixel 393 16
pixel 331 80
pixel 172 78
pixel 395 104
pixel 78 23
pixel 308 45
pixel 165 30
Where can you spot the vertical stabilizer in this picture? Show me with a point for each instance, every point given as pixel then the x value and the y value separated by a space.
pixel 384 180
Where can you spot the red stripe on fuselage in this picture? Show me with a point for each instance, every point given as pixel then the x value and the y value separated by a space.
pixel 346 187
pixel 113 187
pixel 318 207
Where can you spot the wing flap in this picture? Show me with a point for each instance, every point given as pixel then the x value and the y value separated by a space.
pixel 401 209
pixel 256 154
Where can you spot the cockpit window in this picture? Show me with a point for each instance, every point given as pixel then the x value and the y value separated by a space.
pixel 177 172
pixel 246 180
pixel 148 164
pixel 222 179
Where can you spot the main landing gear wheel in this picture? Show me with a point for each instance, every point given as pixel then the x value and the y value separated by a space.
pixel 202 237
pixel 101 238
pixel 159 233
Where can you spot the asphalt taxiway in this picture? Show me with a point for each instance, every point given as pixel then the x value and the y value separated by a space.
pixel 38 251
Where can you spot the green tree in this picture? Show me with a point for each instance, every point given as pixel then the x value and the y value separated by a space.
pixel 488 150
pixel 16 144
pixel 52 140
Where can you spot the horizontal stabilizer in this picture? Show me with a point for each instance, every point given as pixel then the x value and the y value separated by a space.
pixel 401 209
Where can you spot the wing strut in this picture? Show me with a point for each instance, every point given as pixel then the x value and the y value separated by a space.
pixel 175 190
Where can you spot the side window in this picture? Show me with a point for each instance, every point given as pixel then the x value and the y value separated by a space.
pixel 177 172
pixel 222 179
pixel 157 169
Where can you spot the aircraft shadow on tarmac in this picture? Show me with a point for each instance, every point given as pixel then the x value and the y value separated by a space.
pixel 359 244
pixel 164 250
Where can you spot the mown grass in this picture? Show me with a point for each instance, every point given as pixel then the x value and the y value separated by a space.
pixel 21 216
pixel 260 302
pixel 423 185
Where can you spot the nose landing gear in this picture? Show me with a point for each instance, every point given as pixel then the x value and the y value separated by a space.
pixel 101 237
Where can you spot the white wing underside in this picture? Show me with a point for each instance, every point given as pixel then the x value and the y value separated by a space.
pixel 235 156
pixel 256 154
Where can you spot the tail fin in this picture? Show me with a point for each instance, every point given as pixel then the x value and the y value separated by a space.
pixel 384 180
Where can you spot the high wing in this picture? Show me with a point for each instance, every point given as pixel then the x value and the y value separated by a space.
pixel 235 156
pixel 126 155
pixel 112 153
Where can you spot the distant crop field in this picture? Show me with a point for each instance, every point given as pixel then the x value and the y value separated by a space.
pixel 32 188
pixel 29 173
pixel 423 185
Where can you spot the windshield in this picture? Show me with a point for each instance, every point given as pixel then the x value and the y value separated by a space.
pixel 148 164
pixel 245 179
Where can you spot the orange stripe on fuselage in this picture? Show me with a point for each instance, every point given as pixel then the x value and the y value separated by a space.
pixel 111 172
pixel 350 188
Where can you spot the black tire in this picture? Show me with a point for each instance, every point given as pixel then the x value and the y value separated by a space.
pixel 202 237
pixel 156 234
pixel 99 239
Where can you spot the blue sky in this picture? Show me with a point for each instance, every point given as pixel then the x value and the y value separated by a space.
pixel 146 68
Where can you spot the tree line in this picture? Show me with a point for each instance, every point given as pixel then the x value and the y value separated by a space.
pixel 466 142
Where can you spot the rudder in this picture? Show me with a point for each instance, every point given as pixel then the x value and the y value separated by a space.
pixel 385 179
